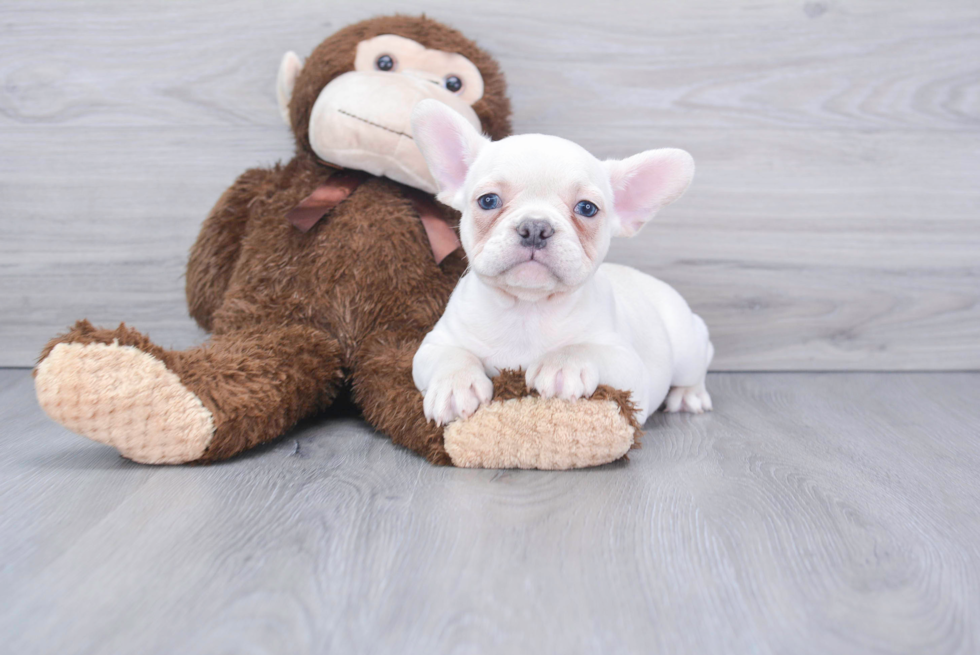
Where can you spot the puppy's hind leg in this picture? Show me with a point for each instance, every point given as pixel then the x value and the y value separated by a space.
pixel 694 399
pixel 686 397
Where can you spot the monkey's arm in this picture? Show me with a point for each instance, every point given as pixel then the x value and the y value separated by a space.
pixel 218 244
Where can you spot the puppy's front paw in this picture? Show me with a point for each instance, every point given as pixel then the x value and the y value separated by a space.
pixel 457 395
pixel 565 374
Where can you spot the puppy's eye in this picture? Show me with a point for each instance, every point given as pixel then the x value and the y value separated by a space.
pixel 453 83
pixel 489 201
pixel 385 63
pixel 586 208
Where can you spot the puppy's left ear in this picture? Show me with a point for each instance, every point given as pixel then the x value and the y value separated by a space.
pixel 644 183
pixel 449 143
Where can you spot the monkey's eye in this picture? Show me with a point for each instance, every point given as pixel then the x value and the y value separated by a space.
pixel 453 83
pixel 586 208
pixel 385 63
pixel 489 201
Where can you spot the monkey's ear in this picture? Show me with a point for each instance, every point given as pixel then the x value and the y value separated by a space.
pixel 289 69
pixel 450 145
pixel 644 183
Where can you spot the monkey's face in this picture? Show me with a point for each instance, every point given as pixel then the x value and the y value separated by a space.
pixel 361 118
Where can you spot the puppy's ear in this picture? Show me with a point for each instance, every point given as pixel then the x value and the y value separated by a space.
pixel 289 70
pixel 644 183
pixel 449 144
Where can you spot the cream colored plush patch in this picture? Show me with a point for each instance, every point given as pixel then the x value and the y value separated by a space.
pixel 125 398
pixel 537 433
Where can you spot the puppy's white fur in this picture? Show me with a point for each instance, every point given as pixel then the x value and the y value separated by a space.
pixel 554 310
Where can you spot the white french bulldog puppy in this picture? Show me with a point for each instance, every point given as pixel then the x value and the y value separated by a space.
pixel 538 213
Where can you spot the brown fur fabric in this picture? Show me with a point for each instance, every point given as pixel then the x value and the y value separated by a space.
pixel 214 254
pixel 296 315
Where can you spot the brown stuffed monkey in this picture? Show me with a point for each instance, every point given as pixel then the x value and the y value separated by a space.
pixel 324 272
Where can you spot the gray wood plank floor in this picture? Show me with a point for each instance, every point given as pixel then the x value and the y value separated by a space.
pixel 811 513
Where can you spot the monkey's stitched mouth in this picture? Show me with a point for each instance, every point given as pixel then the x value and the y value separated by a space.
pixel 373 124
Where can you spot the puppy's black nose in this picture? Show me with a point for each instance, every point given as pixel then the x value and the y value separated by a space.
pixel 534 233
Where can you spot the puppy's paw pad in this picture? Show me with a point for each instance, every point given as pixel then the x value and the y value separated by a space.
pixel 694 399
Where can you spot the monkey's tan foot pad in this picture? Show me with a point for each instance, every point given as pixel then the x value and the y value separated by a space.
pixel 538 433
pixel 124 398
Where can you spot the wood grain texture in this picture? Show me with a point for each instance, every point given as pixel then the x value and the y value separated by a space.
pixel 810 513
pixel 834 222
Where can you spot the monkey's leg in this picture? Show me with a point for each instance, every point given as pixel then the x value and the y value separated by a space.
pixel 384 390
pixel 516 430
pixel 200 405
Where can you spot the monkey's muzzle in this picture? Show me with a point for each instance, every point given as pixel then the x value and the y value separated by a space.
pixel 362 120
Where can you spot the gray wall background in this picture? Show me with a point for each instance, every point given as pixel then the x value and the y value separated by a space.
pixel 834 222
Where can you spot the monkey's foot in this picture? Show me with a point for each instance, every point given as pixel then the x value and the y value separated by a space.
pixel 125 398
pixel 525 431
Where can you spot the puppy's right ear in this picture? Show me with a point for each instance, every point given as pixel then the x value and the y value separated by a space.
pixel 450 145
